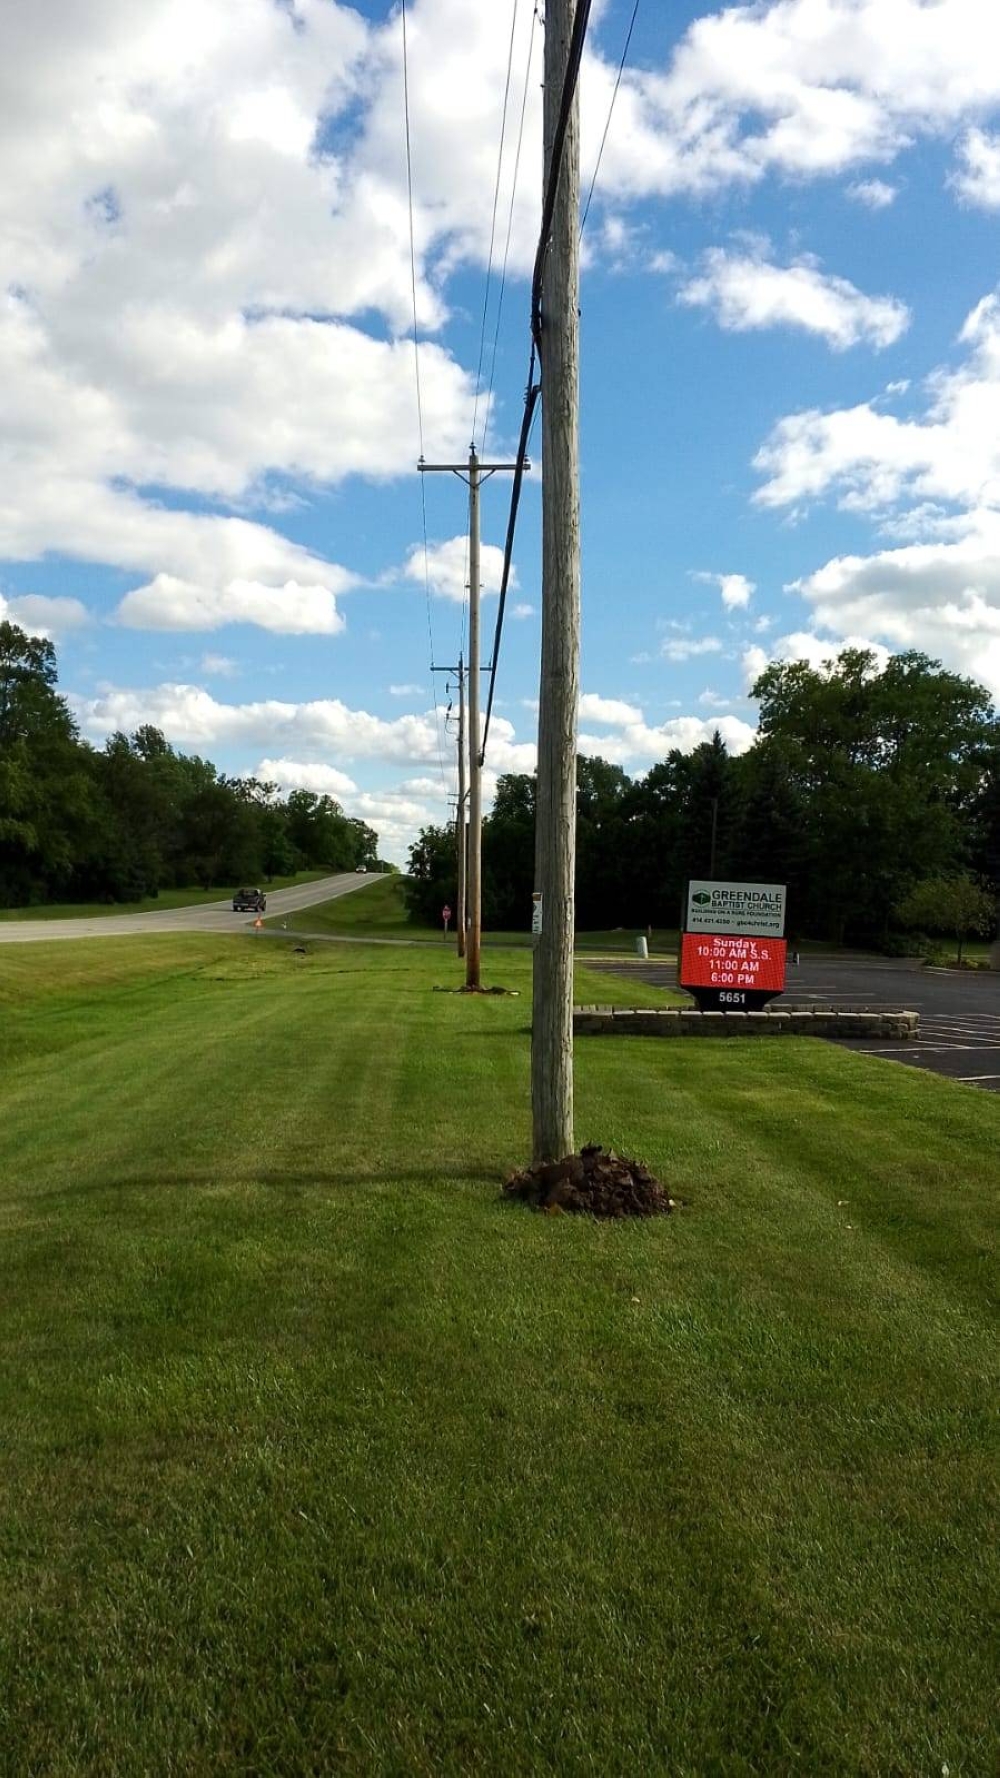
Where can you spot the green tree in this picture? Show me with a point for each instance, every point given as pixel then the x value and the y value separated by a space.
pixel 320 832
pixel 430 885
pixel 602 864
pixel 886 763
pixel 958 906
pixel 772 839
pixel 46 786
pixel 509 854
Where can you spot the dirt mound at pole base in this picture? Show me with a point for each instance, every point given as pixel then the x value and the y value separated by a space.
pixel 595 1182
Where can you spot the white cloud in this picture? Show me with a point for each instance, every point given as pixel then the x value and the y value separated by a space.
pixel 191 717
pixel 196 224
pixel 804 645
pixel 801 88
pixel 308 744
pixel 447 568
pixel 292 774
pixel 189 219
pixel 713 700
pixel 940 597
pixel 291 610
pixel 978 182
pixel 736 589
pixel 219 666
pixel 405 691
pixel 397 813
pixel 612 711
pixel 686 648
pixel 745 291
pixel 522 611
pixel 875 194
pixel 933 483
pixel 310 732
pixel 207 556
pixel 641 745
pixel 816 651
pixel 873 460
pixel 753 661
pixel 40 615
pixel 421 787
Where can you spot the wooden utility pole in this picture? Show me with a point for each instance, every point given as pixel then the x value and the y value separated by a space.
pixel 461 838
pixel 555 821
pixel 475 473
pixel 473 943
pixel 460 811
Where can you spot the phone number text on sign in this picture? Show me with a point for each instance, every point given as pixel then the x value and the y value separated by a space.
pixel 730 961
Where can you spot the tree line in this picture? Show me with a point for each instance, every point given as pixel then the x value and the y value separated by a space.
pixel 121 823
pixel 873 793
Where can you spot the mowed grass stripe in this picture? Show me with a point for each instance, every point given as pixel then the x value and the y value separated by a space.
pixel 319 1456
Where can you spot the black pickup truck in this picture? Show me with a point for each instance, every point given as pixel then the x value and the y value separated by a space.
pixel 249 901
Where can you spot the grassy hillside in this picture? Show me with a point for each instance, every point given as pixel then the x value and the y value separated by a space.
pixel 320 1457
pixel 381 913
pixel 150 904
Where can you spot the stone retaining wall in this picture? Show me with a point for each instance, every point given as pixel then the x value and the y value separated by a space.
pixel 682 1021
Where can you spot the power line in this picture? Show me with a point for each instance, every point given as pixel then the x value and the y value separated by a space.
pixel 493 224
pixel 420 408
pixel 527 420
pixel 581 20
pixel 611 109
pixel 503 276
pixel 510 222
pixel 413 251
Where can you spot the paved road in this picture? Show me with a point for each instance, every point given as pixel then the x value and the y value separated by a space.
pixel 209 916
pixel 959 1010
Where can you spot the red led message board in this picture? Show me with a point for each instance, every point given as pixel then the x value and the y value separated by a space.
pixel 732 965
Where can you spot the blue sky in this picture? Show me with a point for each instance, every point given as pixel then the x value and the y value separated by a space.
pixel 790 364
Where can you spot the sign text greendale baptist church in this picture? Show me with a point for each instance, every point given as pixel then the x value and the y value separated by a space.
pixel 737 908
pixel 732 955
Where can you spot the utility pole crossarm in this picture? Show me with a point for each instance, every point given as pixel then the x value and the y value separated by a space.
pixel 462 469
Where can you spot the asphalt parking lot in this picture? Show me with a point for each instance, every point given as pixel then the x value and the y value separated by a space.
pixel 959 1009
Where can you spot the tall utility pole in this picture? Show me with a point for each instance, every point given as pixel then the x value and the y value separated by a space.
pixel 555 821
pixel 461 843
pixel 475 473
pixel 460 811
pixel 473 944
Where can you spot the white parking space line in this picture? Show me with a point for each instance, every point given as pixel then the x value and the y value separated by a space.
pixel 977 1077
pixel 941 1030
pixel 932 1049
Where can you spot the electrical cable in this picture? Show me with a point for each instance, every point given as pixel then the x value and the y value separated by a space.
pixel 611 110
pixel 493 224
pixel 530 402
pixel 581 19
pixel 510 225
pixel 420 410
pixel 570 82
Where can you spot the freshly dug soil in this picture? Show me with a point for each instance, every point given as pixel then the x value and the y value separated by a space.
pixel 509 993
pixel 595 1182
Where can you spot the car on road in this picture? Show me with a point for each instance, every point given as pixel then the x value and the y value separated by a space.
pixel 249 901
pixel 361 870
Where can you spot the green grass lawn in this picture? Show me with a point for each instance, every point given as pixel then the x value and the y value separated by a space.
pixel 150 904
pixel 318 1456
pixel 381 913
